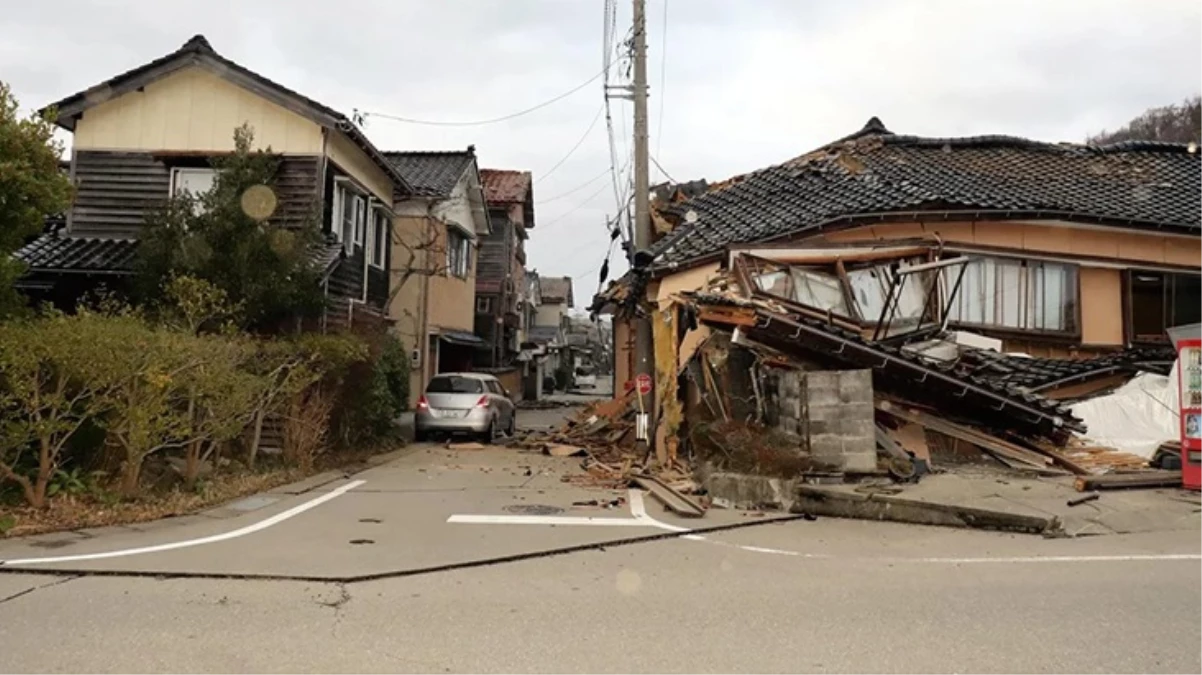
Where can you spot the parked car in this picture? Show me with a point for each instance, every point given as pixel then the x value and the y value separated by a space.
pixel 585 379
pixel 465 403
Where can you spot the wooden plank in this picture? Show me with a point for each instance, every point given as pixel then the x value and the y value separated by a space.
pixel 673 500
pixel 735 316
pixel 1118 481
pixel 984 441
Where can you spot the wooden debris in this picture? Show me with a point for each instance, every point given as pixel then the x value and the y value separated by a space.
pixel 560 450
pixel 673 500
pixel 466 446
pixel 1015 455
pixel 1119 481
pixel 1081 500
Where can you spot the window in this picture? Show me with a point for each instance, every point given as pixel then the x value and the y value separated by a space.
pixel 454 384
pixel 350 215
pixel 196 182
pixel 459 253
pixel 483 305
pixel 1159 301
pixel 1025 295
pixel 379 238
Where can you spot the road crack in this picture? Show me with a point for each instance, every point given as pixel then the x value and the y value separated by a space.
pixel 27 591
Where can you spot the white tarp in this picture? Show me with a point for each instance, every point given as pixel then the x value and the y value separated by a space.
pixel 1137 417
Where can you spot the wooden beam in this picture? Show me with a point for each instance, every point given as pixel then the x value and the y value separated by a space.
pixel 991 444
pixel 735 316
pixel 1117 481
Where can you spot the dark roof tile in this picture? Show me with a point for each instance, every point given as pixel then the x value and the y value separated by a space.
pixel 873 171
pixel 53 253
pixel 432 174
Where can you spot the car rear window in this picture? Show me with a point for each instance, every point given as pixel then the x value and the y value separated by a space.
pixel 454 385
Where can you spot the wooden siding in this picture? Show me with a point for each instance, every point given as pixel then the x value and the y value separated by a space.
pixel 193 110
pixel 115 191
pixel 495 261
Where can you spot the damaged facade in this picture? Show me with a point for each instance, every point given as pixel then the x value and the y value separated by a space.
pixel 980 284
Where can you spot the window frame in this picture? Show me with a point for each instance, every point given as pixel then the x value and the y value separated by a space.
pixel 344 188
pixel 458 253
pixel 487 301
pixel 379 238
pixel 177 171
pixel 1024 304
pixel 1169 281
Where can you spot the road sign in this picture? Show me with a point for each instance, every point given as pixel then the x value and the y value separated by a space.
pixel 643 382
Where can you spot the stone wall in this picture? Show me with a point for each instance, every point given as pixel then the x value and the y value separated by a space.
pixel 833 411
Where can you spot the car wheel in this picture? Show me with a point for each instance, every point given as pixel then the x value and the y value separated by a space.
pixel 421 436
pixel 491 433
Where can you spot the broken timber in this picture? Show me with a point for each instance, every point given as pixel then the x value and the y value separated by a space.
pixel 1118 481
pixel 673 500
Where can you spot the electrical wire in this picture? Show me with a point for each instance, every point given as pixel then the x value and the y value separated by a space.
pixel 494 120
pixel 576 189
pixel 661 168
pixel 543 226
pixel 580 142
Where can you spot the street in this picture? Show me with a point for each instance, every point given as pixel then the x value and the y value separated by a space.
pixel 485 561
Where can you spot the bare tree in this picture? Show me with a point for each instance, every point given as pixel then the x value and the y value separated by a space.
pixel 1178 123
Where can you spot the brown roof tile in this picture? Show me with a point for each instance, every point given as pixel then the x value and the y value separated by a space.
pixel 502 186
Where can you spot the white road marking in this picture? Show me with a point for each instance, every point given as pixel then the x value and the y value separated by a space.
pixel 1056 558
pixel 241 532
pixel 547 520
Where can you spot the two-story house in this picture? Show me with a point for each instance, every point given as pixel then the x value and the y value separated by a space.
pixel 552 320
pixel 502 261
pixel 438 230
pixel 150 132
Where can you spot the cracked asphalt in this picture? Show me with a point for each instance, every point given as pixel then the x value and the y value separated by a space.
pixel 375 579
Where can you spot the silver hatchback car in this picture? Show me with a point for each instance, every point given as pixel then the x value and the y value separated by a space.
pixel 465 403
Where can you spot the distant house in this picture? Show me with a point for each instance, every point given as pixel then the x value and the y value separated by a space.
pixel 148 133
pixel 501 265
pixel 438 232
pixel 555 301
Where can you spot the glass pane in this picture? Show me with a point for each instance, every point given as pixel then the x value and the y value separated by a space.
pixel 454 385
pixel 1187 299
pixel 1009 293
pixel 1147 306
pixel 819 290
pixel 776 283
pixel 868 287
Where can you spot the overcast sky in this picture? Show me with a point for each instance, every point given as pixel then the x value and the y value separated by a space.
pixel 746 84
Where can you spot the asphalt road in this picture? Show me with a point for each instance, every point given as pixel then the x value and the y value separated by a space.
pixel 378 572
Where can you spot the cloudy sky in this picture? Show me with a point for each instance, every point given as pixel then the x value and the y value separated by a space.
pixel 735 85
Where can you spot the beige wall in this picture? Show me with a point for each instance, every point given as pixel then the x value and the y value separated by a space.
pixel 1101 306
pixel 193 110
pixel 452 299
pixel 355 162
pixel 1052 238
pixel 550 314
pixel 406 308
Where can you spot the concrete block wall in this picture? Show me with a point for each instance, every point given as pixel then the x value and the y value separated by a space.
pixel 840 423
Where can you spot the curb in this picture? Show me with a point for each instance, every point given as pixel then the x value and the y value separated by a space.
pixel 841 504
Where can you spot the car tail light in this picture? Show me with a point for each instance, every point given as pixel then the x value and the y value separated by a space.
pixel 483 402
pixel 423 404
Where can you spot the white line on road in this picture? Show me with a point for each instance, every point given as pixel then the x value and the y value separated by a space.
pixel 249 529
pixel 1057 558
pixel 546 520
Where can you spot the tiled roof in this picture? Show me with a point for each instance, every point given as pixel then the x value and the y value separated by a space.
pixel 555 289
pixel 54 253
pixel 197 51
pixel 875 172
pixel 504 186
pixel 432 174
pixel 1037 374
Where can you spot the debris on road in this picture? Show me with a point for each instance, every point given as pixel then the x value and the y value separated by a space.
pixel 671 499
pixel 560 450
pixel 1081 500
pixel 1120 481
pixel 466 446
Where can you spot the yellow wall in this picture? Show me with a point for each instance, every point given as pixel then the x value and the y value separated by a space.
pixel 193 110
pixel 406 308
pixel 1101 306
pixel 355 162
pixel 452 300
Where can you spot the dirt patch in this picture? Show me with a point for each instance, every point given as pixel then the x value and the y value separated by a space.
pixel 75 512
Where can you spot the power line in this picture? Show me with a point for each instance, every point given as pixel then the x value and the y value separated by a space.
pixel 661 169
pixel 587 131
pixel 473 123
pixel 572 210
pixel 576 189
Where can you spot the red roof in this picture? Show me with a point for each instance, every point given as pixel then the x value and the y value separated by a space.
pixel 505 187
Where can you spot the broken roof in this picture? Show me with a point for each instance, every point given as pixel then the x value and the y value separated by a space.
pixel 554 290
pixel 198 52
pixel 433 174
pixel 875 173
pixel 503 186
pixel 54 253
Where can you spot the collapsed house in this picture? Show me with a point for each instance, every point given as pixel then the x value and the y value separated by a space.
pixel 888 296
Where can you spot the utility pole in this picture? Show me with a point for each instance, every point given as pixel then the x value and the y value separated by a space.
pixel 644 345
